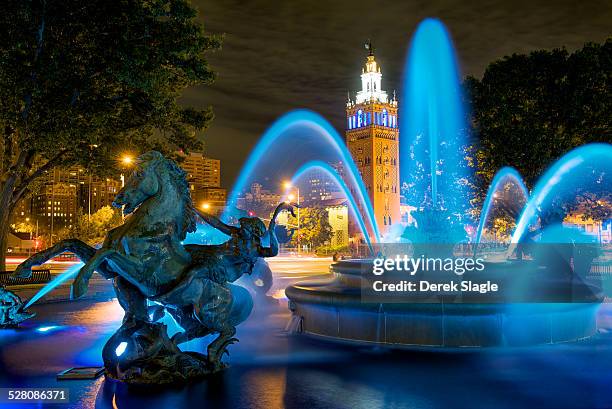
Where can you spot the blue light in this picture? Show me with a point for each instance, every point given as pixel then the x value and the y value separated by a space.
pixel 331 172
pixel 432 120
pixel 121 348
pixel 502 175
pixel 324 132
pixel 563 178
pixel 69 273
pixel 47 329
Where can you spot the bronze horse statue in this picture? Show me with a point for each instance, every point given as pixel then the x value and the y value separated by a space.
pixel 148 264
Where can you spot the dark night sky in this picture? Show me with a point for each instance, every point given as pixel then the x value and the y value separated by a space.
pixel 287 54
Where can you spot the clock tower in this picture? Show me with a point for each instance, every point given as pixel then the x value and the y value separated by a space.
pixel 372 137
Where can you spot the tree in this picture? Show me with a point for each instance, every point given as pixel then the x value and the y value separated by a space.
pixel 82 82
pixel 92 229
pixel 315 229
pixel 23 227
pixel 529 110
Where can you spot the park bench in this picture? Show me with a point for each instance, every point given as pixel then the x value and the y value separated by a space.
pixel 38 277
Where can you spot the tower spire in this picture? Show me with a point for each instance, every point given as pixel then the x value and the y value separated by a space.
pixel 368 46
pixel 371 76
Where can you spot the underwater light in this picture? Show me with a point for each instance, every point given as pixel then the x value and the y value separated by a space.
pixel 46 329
pixel 121 348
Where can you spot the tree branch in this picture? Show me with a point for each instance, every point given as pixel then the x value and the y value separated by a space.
pixel 20 190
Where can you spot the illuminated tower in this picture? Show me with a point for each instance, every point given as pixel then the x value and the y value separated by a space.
pixel 372 137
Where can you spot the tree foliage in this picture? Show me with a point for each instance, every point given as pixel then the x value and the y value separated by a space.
pixel 315 229
pixel 92 229
pixel 529 110
pixel 83 81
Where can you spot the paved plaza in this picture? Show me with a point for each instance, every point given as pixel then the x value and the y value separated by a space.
pixel 270 369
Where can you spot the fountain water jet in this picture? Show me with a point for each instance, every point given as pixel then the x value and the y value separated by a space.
pixel 331 172
pixel 502 176
pixel 324 132
pixel 562 175
pixel 434 137
pixel 432 122
pixel 71 272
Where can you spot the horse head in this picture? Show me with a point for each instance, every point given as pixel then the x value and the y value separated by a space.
pixel 154 175
pixel 142 184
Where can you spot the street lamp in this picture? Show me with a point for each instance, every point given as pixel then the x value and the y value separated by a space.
pixel 288 185
pixel 127 160
pixel 205 206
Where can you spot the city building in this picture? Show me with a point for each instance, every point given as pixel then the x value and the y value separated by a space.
pixel 372 137
pixel 259 201
pixel 601 230
pixel 318 186
pixel 337 214
pixel 63 194
pixel 204 176
pixel 210 199
pixel 54 207
pixel 95 193
pixel 202 171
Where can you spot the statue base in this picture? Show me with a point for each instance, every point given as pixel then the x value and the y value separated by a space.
pixel 141 353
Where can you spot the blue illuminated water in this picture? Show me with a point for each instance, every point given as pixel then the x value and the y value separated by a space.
pixel 294 139
pixel 71 272
pixel 432 122
pixel 585 166
pixel 333 174
pixel 503 176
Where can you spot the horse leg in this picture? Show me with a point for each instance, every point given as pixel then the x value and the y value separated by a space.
pixel 218 347
pixel 82 250
pixel 133 302
pixel 192 328
pixel 125 267
pixel 214 311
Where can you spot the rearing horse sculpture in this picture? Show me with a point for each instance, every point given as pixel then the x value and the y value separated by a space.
pixel 147 261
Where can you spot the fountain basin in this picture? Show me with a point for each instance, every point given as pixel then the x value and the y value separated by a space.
pixel 333 309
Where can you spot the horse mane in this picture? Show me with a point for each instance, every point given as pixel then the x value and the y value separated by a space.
pixel 179 177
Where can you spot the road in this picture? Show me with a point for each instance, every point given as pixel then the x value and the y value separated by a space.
pixel 270 369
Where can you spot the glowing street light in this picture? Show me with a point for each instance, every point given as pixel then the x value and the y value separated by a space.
pixel 127 160
pixel 205 206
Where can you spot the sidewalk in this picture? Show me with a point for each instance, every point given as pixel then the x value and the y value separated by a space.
pixel 99 289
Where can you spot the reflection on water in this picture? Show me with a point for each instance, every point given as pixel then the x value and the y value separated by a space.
pixel 271 370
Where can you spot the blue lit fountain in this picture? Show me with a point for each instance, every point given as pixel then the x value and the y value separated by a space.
pixel 434 136
pixel 433 142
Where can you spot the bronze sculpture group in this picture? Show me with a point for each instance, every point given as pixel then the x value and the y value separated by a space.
pixel 12 311
pixel 153 273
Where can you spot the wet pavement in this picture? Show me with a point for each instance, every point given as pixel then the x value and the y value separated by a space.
pixel 270 369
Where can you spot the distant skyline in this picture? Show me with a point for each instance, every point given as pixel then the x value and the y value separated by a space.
pixel 280 56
